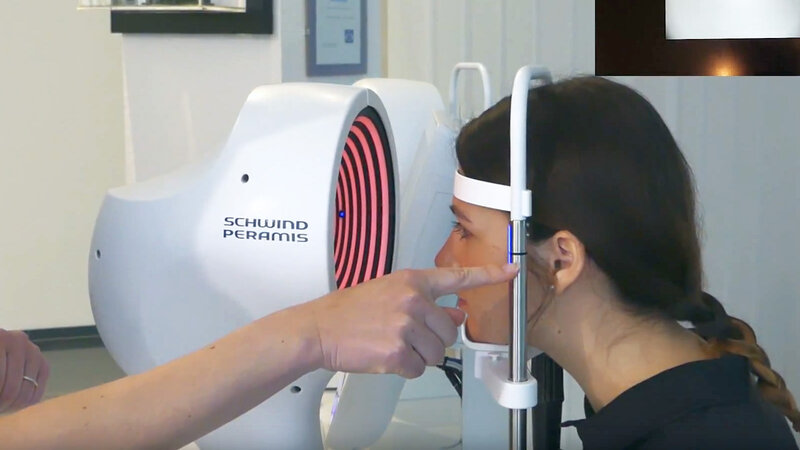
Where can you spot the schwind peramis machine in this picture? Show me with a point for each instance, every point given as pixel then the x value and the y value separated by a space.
pixel 319 187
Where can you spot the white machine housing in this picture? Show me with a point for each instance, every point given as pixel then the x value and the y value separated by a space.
pixel 175 264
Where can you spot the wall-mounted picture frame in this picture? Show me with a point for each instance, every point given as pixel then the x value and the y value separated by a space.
pixel 257 18
pixel 336 37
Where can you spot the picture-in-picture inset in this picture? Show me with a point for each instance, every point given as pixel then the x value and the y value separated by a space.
pixel 697 37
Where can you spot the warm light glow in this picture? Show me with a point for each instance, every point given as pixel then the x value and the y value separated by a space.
pixel 725 66
pixel 723 71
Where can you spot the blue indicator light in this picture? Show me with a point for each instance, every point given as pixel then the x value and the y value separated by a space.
pixel 510 246
pixel 341 214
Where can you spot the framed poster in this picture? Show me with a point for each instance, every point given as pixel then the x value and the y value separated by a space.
pixel 336 34
pixel 257 18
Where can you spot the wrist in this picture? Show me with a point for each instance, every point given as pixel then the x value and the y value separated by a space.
pixel 305 329
pixel 289 335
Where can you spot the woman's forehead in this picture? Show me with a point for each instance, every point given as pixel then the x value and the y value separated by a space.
pixel 472 213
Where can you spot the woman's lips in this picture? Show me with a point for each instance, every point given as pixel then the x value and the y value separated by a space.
pixel 461 302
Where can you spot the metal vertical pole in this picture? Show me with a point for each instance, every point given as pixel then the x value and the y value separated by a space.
pixel 518 360
pixel 517 237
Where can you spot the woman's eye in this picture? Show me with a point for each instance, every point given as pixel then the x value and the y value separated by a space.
pixel 458 228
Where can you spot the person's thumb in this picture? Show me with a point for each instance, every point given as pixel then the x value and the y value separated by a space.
pixel 456 315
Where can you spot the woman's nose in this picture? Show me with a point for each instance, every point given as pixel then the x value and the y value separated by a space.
pixel 444 257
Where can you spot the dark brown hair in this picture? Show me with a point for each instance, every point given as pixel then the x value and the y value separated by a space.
pixel 603 165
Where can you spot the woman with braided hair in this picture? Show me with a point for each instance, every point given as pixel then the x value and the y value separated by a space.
pixel 614 259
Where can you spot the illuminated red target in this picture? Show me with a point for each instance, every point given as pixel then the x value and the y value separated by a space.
pixel 365 204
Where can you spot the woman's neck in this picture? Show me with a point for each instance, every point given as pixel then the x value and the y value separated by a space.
pixel 608 350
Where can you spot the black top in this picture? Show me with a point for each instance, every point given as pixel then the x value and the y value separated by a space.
pixel 709 404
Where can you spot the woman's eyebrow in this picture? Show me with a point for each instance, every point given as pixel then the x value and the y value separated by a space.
pixel 459 214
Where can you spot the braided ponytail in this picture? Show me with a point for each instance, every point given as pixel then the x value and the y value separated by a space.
pixel 730 335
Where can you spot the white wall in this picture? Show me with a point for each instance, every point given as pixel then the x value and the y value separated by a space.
pixel 426 38
pixel 183 92
pixel 61 142
pixel 740 136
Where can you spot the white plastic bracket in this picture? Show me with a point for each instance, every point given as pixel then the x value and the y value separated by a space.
pixel 492 369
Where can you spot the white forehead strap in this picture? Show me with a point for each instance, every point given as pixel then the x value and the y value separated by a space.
pixel 488 195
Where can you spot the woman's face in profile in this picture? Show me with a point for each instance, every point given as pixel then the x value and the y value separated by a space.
pixel 479 237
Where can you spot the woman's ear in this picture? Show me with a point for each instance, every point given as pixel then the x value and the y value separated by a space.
pixel 566 257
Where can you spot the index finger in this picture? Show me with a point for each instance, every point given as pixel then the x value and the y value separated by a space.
pixel 443 281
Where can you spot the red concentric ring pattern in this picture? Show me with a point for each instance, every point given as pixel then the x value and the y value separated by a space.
pixel 365 204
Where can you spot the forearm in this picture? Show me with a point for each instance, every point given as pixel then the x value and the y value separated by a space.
pixel 176 403
pixel 386 325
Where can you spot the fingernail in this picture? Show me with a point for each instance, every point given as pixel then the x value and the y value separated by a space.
pixel 510 268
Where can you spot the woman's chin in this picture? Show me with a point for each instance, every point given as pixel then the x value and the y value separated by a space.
pixel 472 333
pixel 475 334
